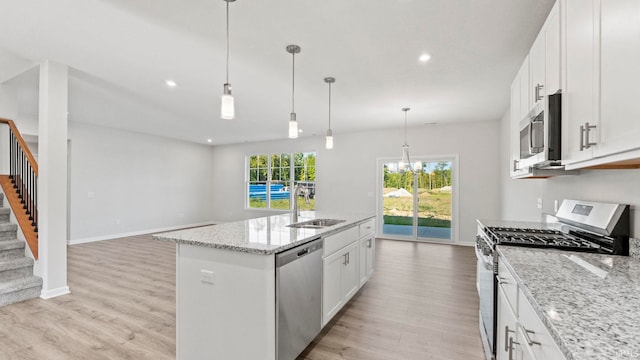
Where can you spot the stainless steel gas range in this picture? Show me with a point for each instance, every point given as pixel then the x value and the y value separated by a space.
pixel 584 226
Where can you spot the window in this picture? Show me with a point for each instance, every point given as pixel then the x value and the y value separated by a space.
pixel 270 184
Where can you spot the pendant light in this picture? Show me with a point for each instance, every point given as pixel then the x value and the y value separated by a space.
pixel 293 123
pixel 227 108
pixel 406 161
pixel 329 139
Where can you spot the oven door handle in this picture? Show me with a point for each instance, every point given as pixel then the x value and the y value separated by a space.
pixel 488 265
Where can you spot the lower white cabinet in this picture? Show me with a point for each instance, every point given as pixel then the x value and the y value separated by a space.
pixel 521 335
pixel 367 251
pixel 340 280
pixel 507 338
pixel 535 337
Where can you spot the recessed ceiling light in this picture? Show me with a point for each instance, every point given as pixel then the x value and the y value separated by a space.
pixel 300 131
pixel 209 140
pixel 171 83
pixel 424 58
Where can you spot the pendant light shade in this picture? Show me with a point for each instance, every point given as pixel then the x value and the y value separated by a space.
pixel 329 138
pixel 227 107
pixel 293 123
pixel 293 126
pixel 405 163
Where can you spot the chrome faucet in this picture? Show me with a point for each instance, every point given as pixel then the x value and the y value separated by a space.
pixel 296 211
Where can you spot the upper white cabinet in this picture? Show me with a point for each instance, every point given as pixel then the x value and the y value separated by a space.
pixel 537 70
pixel 619 77
pixel 601 114
pixel 539 75
pixel 552 52
pixel 580 88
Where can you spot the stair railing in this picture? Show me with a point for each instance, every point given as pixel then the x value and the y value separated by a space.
pixel 23 172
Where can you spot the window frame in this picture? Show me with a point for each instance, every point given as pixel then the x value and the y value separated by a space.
pixel 290 183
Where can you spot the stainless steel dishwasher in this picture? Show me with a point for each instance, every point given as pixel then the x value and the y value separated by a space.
pixel 298 298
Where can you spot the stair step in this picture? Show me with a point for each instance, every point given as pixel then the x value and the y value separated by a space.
pixel 11 249
pixel 21 289
pixel 15 268
pixel 8 231
pixel 5 214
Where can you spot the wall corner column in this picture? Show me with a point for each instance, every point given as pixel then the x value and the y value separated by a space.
pixel 52 178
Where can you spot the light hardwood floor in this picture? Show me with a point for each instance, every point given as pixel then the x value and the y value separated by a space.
pixel 420 304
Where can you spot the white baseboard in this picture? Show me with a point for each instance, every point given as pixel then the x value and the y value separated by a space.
pixel 48 294
pixel 141 232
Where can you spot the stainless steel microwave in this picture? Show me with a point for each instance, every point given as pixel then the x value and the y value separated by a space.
pixel 540 130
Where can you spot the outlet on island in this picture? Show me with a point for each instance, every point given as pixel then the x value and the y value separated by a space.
pixel 207 277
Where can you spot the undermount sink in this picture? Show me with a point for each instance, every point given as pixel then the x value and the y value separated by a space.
pixel 316 223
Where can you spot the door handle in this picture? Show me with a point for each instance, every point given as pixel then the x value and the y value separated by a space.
pixel 528 339
pixel 507 344
pixel 511 343
pixel 584 136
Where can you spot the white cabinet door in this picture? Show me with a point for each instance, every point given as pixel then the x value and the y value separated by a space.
pixel 525 98
pixel 350 279
pixel 514 131
pixel 362 263
pixel 507 331
pixel 367 250
pixel 580 77
pixel 552 52
pixel 537 60
pixel 371 256
pixel 535 338
pixel 332 296
pixel 620 57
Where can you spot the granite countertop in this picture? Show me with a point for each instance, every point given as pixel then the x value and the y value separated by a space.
pixel 589 302
pixel 265 235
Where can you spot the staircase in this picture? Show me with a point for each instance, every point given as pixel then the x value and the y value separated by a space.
pixel 17 282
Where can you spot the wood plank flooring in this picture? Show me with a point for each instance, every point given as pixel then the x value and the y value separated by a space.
pixel 420 304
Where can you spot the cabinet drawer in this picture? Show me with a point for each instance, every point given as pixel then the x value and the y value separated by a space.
pixel 368 227
pixel 507 283
pixel 337 241
pixel 535 335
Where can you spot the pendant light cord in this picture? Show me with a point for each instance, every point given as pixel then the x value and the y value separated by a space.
pixel 329 106
pixel 227 42
pixel 293 82
pixel 405 128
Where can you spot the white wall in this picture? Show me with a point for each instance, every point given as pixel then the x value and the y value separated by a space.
pixel 346 175
pixel 12 64
pixel 124 182
pixel 519 196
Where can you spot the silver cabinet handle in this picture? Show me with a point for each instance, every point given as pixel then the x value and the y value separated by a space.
pixel 502 280
pixel 348 258
pixel 515 164
pixel 345 259
pixel 587 129
pixel 511 343
pixel 528 339
pixel 537 95
pixel 369 243
pixel 506 337
pixel 584 136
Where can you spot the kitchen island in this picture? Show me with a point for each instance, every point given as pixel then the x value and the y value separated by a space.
pixel 226 280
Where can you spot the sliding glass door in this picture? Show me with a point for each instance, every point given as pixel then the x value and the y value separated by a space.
pixel 418 204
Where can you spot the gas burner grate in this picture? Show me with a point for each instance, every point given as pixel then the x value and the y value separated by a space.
pixel 541 238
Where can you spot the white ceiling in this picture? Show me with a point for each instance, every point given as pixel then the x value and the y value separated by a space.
pixel 122 51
